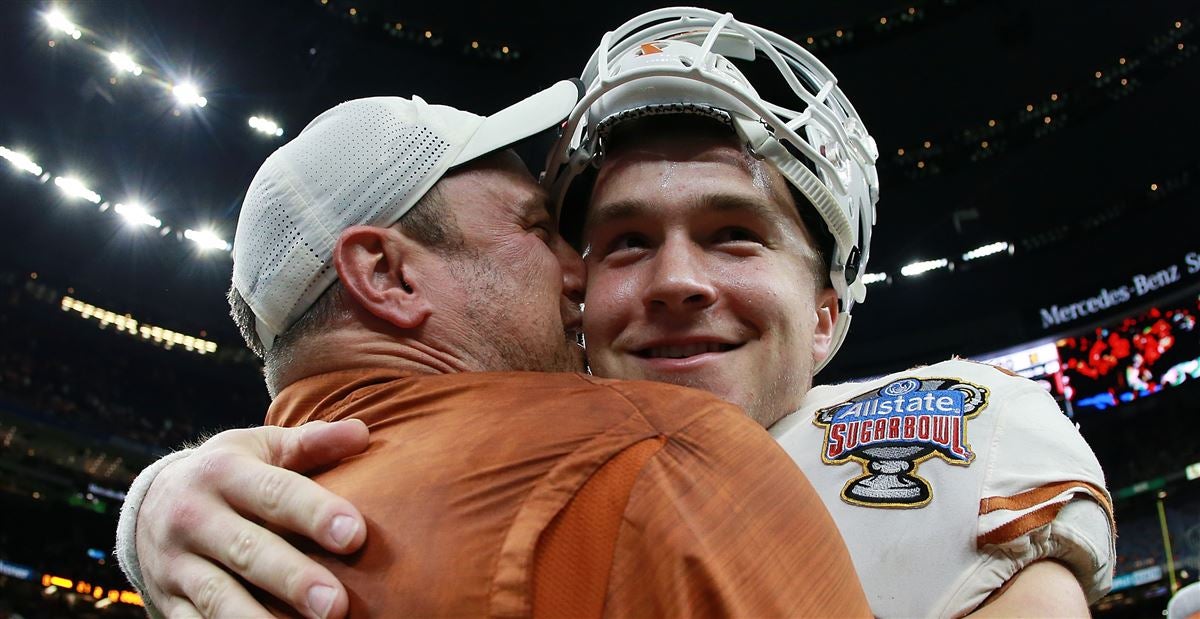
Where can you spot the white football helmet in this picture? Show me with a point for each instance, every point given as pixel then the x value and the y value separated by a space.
pixel 676 60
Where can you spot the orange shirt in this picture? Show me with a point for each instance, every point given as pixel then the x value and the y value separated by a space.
pixel 527 494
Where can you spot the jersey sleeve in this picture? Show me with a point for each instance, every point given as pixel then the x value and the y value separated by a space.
pixel 1043 495
pixel 126 543
pixel 721 523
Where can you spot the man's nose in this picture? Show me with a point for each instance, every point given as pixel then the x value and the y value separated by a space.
pixel 679 280
pixel 574 272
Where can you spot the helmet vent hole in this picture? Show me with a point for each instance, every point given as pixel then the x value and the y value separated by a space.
pixel 685 61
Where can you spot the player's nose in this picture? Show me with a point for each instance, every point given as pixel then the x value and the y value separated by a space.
pixel 573 269
pixel 678 280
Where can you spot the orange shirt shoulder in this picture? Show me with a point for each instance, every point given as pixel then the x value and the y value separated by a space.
pixel 522 494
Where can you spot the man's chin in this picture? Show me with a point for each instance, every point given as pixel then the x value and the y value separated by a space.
pixel 704 381
pixel 570 358
pixel 712 379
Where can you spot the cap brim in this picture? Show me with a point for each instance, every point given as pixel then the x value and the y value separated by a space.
pixel 530 116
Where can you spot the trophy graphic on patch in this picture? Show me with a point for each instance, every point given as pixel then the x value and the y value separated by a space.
pixel 891 430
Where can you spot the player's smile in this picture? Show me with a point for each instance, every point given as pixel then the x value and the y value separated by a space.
pixel 680 354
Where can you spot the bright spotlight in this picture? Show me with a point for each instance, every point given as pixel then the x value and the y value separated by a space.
pixel 206 239
pixel 874 278
pixel 124 62
pixel 918 268
pixel 187 94
pixel 137 215
pixel 987 250
pixel 21 161
pixel 58 21
pixel 76 189
pixel 266 125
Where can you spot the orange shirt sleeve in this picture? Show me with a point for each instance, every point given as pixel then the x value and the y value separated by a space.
pixel 721 523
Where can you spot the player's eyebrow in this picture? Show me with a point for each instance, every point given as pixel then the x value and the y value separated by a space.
pixel 752 207
pixel 617 211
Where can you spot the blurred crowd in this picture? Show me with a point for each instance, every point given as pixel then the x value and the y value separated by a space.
pixel 70 372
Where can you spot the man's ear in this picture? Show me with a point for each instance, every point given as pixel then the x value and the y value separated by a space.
pixel 377 267
pixel 827 315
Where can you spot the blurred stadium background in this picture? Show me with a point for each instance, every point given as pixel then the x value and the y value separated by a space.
pixel 1039 210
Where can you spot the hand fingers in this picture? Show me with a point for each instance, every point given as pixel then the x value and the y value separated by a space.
pixel 284 499
pixel 273 565
pixel 180 608
pixel 210 591
pixel 229 470
pixel 314 444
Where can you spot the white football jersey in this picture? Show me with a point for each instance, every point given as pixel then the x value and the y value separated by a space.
pixel 946 480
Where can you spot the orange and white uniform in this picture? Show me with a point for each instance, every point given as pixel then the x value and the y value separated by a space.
pixel 948 479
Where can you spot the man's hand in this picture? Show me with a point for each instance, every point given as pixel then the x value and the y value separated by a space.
pixel 197 524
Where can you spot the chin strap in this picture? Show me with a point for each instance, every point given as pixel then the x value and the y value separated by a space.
pixel 767 146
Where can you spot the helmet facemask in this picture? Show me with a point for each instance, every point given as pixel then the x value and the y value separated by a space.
pixel 677 61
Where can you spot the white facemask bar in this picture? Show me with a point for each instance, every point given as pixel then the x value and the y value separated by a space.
pixel 793 58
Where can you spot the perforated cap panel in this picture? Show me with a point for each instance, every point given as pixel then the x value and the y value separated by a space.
pixel 365 162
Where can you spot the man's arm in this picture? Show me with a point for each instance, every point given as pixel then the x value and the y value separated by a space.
pixel 196 527
pixel 1043 589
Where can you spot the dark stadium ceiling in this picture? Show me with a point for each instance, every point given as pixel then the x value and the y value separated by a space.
pixel 1072 196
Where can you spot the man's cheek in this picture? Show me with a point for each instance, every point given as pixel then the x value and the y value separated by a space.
pixel 598 298
pixel 613 292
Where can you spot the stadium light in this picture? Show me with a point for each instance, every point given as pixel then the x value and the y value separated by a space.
pixel 187 94
pixel 137 215
pixel 21 161
pixel 206 239
pixel 124 62
pixel 58 21
pixel 874 278
pixel 918 268
pixel 988 250
pixel 266 125
pixel 125 323
pixel 76 189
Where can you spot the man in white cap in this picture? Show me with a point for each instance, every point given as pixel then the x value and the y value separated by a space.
pixel 395 265
pixel 729 259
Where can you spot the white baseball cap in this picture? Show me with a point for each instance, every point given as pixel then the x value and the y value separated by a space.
pixel 1186 603
pixel 364 162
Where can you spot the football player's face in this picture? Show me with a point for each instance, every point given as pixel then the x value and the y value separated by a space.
pixel 700 273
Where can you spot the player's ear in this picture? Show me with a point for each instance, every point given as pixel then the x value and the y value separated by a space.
pixel 379 268
pixel 827 315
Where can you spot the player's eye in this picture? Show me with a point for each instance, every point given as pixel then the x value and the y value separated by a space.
pixel 627 242
pixel 736 235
